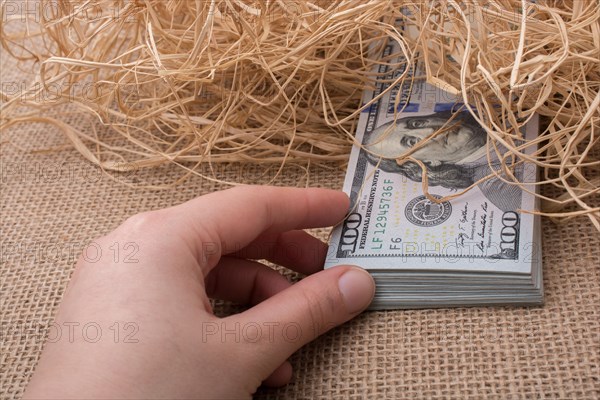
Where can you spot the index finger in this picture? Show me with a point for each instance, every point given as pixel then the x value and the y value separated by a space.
pixel 227 221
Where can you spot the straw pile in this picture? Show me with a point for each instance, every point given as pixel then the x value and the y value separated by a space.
pixel 277 82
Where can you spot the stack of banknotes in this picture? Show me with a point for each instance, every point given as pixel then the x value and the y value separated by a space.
pixel 476 249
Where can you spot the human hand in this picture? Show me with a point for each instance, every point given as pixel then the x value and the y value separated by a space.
pixel 178 349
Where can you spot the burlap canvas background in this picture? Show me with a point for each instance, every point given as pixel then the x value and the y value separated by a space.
pixel 54 203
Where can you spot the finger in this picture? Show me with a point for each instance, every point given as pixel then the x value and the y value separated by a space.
pixel 281 376
pixel 297 250
pixel 309 308
pixel 244 281
pixel 238 216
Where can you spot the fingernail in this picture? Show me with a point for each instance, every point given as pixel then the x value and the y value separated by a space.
pixel 357 288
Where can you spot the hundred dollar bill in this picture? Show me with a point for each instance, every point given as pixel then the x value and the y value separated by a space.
pixel 394 227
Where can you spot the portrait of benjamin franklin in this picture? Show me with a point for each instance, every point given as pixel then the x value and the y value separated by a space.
pixel 456 158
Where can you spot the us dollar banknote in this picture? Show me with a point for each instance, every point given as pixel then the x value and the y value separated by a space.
pixel 393 225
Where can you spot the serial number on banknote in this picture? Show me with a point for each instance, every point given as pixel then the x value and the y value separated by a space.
pixel 381 225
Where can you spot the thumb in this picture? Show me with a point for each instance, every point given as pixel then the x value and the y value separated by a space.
pixel 299 314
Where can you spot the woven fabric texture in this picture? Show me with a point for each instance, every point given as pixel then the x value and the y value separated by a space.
pixel 54 203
